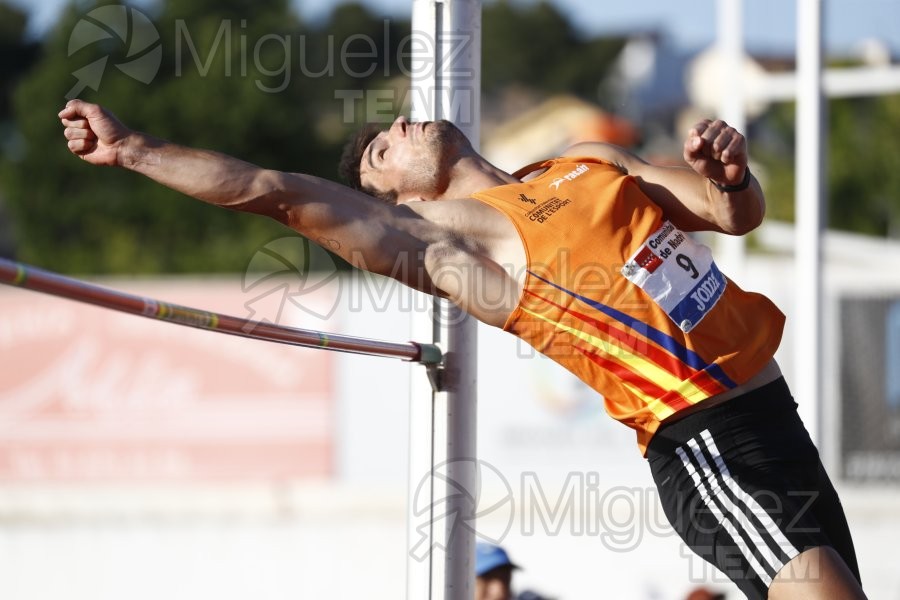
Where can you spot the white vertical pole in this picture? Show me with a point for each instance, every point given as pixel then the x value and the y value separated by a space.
pixel 446 84
pixel 420 504
pixel 810 195
pixel 731 249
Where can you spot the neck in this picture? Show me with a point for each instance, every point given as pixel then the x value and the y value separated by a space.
pixel 471 174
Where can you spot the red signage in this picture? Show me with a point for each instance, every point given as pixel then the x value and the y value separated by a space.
pixel 88 394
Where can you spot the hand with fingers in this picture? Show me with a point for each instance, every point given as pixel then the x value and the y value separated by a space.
pixel 718 152
pixel 93 133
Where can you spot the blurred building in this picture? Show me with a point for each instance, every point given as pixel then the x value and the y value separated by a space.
pixel 647 83
pixel 550 127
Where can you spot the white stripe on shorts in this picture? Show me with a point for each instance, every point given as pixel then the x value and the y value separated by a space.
pixel 709 485
pixel 735 512
pixel 725 522
pixel 749 501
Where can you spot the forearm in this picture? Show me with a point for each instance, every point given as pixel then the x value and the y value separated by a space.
pixel 687 198
pixel 203 174
pixel 367 233
pixel 692 202
pixel 352 223
pixel 736 212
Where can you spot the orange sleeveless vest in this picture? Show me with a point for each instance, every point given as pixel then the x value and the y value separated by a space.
pixel 624 300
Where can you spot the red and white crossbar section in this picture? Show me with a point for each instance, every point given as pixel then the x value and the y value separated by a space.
pixel 31 278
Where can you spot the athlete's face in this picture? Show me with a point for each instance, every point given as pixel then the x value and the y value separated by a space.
pixel 413 160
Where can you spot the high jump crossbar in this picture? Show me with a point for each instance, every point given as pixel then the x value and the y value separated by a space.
pixel 27 277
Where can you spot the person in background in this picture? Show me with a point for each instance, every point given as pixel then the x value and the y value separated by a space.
pixel 493 575
pixel 702 593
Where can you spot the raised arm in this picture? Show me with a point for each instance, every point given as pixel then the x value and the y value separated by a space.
pixel 369 234
pixel 711 194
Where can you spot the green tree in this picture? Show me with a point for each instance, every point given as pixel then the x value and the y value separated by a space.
pixel 536 45
pixel 18 55
pixel 17 51
pixel 861 172
pixel 228 81
pixel 247 78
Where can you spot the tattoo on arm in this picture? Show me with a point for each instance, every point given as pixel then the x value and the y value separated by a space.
pixel 329 244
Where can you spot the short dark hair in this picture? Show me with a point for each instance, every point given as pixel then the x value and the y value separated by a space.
pixel 351 158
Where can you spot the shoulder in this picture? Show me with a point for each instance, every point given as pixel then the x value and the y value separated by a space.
pixel 616 155
pixel 452 213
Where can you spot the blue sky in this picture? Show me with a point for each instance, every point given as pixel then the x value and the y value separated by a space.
pixel 770 24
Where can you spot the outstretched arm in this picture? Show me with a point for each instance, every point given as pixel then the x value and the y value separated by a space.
pixel 717 154
pixel 370 235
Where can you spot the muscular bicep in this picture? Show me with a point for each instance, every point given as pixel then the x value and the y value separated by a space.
pixel 370 235
pixel 441 248
pixel 678 191
pixel 473 281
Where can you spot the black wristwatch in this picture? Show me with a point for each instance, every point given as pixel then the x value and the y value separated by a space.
pixel 743 185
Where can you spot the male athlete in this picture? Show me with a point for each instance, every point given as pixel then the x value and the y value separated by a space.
pixel 585 257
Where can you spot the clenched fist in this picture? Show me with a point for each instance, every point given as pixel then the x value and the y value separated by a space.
pixel 717 151
pixel 93 133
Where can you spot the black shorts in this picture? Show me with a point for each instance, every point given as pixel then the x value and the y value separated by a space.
pixel 742 484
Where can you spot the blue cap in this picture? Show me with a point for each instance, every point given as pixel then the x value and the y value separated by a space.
pixel 489 557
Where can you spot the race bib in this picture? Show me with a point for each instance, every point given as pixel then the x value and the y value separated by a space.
pixel 678 274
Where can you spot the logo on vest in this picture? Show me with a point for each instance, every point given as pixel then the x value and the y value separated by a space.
pixel 526 199
pixel 547 209
pixel 574 174
pixel 706 292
